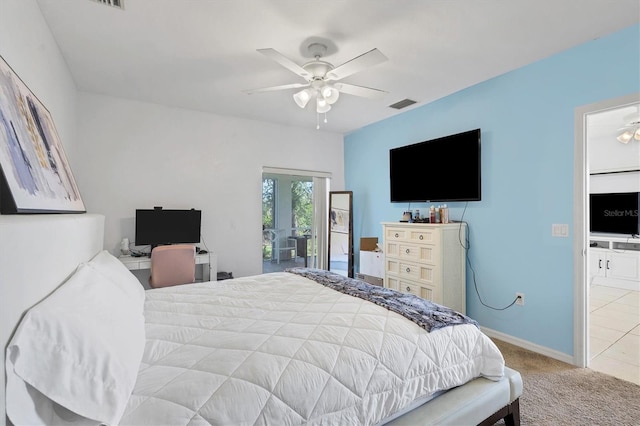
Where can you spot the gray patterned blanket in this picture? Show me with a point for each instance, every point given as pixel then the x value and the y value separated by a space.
pixel 426 314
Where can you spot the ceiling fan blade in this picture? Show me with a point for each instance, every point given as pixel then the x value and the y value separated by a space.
pixel 366 60
pixel 364 92
pixel 273 88
pixel 285 62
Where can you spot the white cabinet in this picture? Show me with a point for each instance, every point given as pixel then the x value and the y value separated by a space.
pixel 427 260
pixel 371 267
pixel 615 262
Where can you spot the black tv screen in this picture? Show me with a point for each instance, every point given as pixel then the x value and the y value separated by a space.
pixel 614 213
pixel 160 226
pixel 443 169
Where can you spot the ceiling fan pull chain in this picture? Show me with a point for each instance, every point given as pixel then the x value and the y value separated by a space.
pixel 317 121
pixel 325 117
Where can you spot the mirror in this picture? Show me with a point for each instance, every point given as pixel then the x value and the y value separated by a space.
pixel 341 233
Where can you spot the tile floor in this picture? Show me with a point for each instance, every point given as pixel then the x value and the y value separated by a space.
pixel 614 332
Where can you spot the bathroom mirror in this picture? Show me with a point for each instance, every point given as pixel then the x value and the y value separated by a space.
pixel 341 233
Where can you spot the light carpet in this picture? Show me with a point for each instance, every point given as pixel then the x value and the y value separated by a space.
pixel 556 393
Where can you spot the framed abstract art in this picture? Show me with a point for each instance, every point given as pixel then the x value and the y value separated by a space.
pixel 36 176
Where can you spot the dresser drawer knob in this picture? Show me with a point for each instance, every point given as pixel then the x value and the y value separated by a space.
pixel 408 288
pixel 421 237
pixel 407 251
pixel 397 235
pixel 408 270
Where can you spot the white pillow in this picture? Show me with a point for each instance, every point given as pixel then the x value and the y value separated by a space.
pixel 80 347
pixel 108 265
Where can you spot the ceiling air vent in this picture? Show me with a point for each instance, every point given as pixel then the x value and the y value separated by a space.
pixel 402 104
pixel 115 3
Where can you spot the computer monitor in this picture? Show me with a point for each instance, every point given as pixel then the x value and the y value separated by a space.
pixel 159 226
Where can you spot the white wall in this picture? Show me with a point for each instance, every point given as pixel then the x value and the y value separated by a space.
pixel 139 155
pixel 615 182
pixel 27 45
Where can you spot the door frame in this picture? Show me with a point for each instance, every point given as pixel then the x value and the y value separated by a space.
pixel 320 184
pixel 580 223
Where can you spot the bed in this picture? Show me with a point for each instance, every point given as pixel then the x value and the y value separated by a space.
pixel 279 348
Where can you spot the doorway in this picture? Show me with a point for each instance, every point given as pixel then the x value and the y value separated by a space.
pixel 292 204
pixel 601 342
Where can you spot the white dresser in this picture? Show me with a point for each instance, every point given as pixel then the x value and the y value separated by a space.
pixel 427 260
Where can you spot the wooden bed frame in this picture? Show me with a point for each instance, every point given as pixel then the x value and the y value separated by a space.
pixel 38 252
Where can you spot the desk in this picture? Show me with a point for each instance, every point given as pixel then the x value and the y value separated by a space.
pixel 207 260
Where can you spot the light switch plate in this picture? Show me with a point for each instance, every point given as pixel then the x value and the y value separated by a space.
pixel 560 230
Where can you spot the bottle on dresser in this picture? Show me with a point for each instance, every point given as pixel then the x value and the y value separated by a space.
pixel 444 214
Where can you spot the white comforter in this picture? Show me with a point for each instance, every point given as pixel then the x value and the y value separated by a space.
pixel 281 349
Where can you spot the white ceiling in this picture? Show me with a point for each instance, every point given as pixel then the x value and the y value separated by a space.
pixel 603 127
pixel 201 54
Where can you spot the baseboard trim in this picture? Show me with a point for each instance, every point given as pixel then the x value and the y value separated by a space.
pixel 525 344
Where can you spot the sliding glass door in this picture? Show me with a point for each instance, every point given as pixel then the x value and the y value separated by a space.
pixel 289 216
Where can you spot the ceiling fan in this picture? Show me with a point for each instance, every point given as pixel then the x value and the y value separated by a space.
pixel 322 78
pixel 631 129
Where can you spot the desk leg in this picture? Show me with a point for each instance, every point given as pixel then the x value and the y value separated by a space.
pixel 206 272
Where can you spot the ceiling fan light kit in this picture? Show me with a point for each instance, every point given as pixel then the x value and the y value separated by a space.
pixel 322 105
pixel 302 98
pixel 629 134
pixel 330 94
pixel 320 76
pixel 625 137
pixel 631 130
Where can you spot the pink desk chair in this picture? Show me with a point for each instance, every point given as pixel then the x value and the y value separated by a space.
pixel 173 265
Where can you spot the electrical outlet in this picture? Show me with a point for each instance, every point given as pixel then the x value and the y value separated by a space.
pixel 520 299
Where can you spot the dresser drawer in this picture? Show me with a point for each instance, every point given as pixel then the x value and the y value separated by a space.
pixel 395 234
pixel 423 274
pixel 425 292
pixel 417 253
pixel 424 236
pixel 416 234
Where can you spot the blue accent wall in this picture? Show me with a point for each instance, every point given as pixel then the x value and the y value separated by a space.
pixel 527 122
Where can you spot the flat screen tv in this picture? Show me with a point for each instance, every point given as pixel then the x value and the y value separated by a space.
pixel 159 226
pixel 614 213
pixel 443 169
